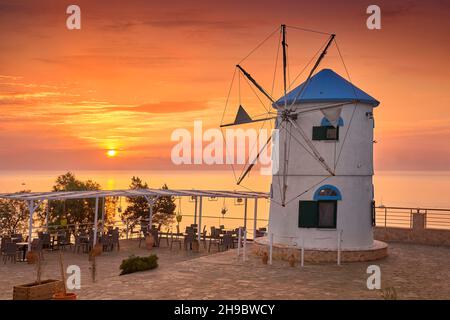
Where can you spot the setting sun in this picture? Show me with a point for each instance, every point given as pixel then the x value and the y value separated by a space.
pixel 111 153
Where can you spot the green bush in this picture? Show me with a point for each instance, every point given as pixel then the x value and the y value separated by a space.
pixel 136 264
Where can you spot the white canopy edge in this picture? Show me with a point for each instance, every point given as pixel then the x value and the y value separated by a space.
pixel 63 195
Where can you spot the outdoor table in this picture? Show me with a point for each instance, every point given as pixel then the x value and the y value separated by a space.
pixel 14 239
pixel 23 247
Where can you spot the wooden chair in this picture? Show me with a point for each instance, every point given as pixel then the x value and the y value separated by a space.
pixel 203 236
pixel 45 239
pixel 5 240
pixel 214 239
pixel 188 239
pixel 115 237
pixel 37 246
pixel 107 243
pixel 155 233
pixel 227 241
pixel 62 240
pixel 80 243
pixel 10 252
pixel 175 238
pixel 165 235
pixel 144 233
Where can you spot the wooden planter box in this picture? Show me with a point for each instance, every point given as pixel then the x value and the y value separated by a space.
pixel 33 291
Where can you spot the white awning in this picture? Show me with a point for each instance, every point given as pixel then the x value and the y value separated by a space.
pixel 64 195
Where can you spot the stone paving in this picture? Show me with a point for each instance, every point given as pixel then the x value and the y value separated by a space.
pixel 415 271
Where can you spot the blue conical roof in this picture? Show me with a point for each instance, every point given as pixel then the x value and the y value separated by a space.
pixel 327 86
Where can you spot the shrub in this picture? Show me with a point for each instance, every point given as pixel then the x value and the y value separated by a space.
pixel 136 264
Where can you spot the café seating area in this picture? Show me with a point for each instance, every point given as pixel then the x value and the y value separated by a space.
pixel 218 238
pixel 14 247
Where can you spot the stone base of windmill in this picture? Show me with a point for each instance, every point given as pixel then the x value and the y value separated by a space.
pixel 378 250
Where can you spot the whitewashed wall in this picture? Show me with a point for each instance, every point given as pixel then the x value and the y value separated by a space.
pixel 353 178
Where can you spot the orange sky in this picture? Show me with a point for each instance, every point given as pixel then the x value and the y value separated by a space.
pixel 139 69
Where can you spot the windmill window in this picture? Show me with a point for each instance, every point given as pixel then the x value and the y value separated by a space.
pixel 325 133
pixel 327 192
pixel 326 123
pixel 322 211
pixel 327 214
pixel 317 214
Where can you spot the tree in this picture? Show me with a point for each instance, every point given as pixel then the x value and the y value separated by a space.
pixel 75 211
pixel 14 215
pixel 138 208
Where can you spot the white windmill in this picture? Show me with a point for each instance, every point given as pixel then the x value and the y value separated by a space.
pixel 322 194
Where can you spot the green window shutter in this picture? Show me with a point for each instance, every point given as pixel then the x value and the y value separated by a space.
pixel 325 133
pixel 307 214
pixel 374 214
pixel 319 133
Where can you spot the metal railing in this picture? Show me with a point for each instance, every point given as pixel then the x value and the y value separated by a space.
pixel 402 217
pixel 129 232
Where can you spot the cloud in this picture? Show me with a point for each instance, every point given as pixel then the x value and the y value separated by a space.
pixel 166 107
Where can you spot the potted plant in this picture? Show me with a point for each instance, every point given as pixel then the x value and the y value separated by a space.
pixel 224 211
pixel 179 217
pixel 38 290
pixel 149 241
pixel 63 294
pixel 195 245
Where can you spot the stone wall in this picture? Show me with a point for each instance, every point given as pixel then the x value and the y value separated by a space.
pixel 418 234
pixel 282 252
pixel 425 236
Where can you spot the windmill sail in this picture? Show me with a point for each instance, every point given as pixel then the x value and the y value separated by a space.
pixel 242 116
pixel 332 115
pixel 287 112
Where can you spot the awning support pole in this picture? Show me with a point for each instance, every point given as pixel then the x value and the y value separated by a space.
pixel 103 213
pixel 255 217
pixel 31 208
pixel 94 242
pixel 245 213
pixel 30 225
pixel 47 209
pixel 151 201
pixel 199 227
pixel 195 211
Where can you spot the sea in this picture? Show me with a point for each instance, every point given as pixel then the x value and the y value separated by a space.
pixel 417 189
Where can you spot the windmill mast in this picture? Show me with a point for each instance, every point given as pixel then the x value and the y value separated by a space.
pixel 283 43
pixel 286 154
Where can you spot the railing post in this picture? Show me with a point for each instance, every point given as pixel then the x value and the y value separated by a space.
pixel 385 216
pixel 270 247
pixel 339 247
pixel 302 259
pixel 425 217
pixel 244 249
pixel 239 242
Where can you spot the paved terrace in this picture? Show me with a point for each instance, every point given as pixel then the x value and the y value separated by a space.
pixel 416 271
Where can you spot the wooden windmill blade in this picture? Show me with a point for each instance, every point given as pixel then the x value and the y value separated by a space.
pixel 286 114
pixel 242 117
pixel 252 164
